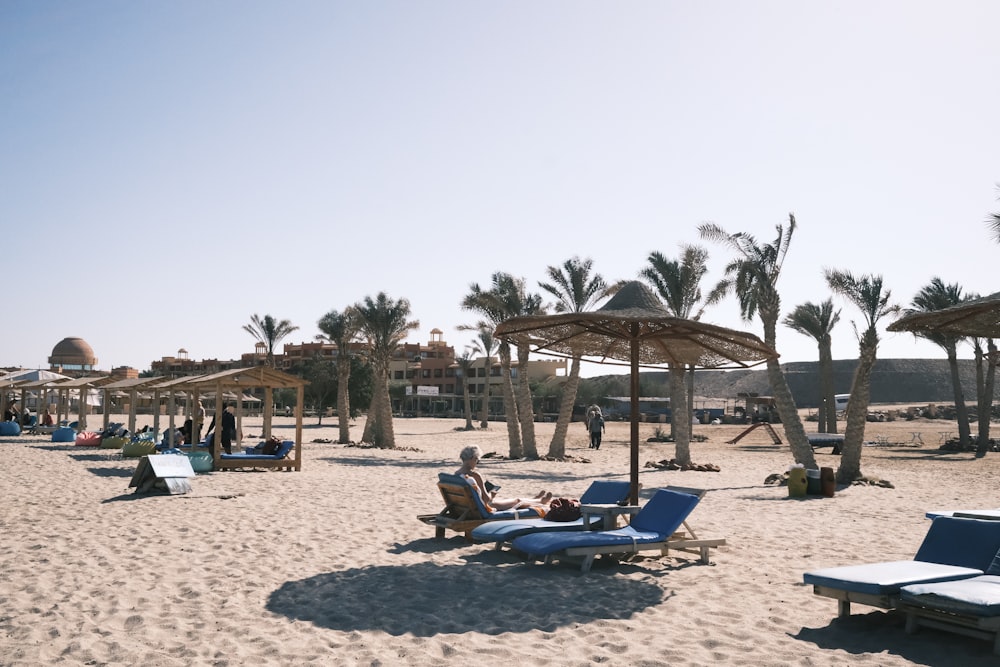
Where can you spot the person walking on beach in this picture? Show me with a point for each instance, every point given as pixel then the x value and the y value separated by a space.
pixel 596 426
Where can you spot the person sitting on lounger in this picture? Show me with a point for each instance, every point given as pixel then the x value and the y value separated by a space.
pixel 470 457
pixel 47 419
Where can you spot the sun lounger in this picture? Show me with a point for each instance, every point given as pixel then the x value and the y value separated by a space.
pixel 464 509
pixel 652 529
pixel 989 515
pixel 969 606
pixel 278 460
pixel 600 492
pixel 952 549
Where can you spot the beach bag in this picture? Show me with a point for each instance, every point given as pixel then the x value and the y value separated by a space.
pixel 272 445
pixel 563 509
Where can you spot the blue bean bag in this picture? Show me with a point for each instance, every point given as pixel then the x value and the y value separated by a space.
pixel 10 428
pixel 64 434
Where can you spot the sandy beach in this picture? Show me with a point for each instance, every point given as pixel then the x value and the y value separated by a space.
pixel 330 566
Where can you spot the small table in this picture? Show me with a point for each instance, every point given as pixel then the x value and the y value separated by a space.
pixel 608 512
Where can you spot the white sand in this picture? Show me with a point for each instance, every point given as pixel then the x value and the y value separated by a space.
pixel 330 565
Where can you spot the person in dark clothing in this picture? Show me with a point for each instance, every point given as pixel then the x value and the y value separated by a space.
pixel 596 427
pixel 227 429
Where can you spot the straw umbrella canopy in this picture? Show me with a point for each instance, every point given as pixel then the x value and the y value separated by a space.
pixel 634 327
pixel 976 317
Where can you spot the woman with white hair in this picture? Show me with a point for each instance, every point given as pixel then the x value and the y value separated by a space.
pixel 470 456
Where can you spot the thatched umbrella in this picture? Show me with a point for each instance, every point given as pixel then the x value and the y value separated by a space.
pixel 976 317
pixel 634 327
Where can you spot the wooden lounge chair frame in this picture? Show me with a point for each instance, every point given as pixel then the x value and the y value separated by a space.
pixel 461 512
pixel 979 627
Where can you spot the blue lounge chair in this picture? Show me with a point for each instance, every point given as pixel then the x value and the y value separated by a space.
pixel 952 549
pixel 600 492
pixel 280 459
pixel 652 529
pixel 464 509
pixel 967 606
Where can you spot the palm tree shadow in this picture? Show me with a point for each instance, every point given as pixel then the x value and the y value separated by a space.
pixel 427 599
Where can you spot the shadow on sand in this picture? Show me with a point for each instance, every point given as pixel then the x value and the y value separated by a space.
pixel 881 632
pixel 427 599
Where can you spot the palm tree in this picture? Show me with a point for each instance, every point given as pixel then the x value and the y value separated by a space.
pixel 484 345
pixel 385 324
pixel 936 296
pixel 575 290
pixel 464 362
pixel 341 329
pixel 817 321
pixel 269 331
pixel 867 293
pixel 753 277
pixel 487 303
pixel 508 298
pixel 678 283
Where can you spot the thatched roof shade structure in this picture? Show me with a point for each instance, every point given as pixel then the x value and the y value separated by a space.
pixel 634 327
pixel 976 317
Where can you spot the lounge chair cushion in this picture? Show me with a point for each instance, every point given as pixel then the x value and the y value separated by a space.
pixel 952 549
pixel 978 596
pixel 655 522
pixel 282 452
pixel 886 577
pixel 600 492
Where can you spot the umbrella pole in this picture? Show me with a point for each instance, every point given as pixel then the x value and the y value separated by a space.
pixel 634 409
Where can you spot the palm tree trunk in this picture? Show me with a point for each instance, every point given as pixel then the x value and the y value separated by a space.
pixel 827 402
pixel 557 448
pixel 344 400
pixel 372 418
pixel 857 416
pixel 510 406
pixel 525 409
pixel 681 417
pixel 485 422
pixel 385 430
pixel 961 411
pixel 986 396
pixel 802 451
pixel 468 406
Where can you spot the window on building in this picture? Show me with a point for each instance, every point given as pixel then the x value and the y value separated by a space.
pixel 438 372
pixel 425 373
pixel 398 375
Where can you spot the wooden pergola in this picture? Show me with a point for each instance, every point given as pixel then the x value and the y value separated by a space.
pixel 237 380
pixel 83 385
pixel 130 386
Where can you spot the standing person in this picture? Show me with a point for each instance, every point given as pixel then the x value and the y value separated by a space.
pixel 227 428
pixel 199 419
pixel 596 429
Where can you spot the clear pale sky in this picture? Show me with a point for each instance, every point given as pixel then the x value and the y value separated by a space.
pixel 168 169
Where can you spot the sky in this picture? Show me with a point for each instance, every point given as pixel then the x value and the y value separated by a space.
pixel 169 169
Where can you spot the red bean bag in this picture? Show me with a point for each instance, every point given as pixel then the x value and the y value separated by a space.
pixel 88 439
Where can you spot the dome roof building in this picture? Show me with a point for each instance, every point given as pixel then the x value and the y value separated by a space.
pixel 72 354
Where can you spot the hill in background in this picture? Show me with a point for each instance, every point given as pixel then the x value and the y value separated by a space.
pixel 893 381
